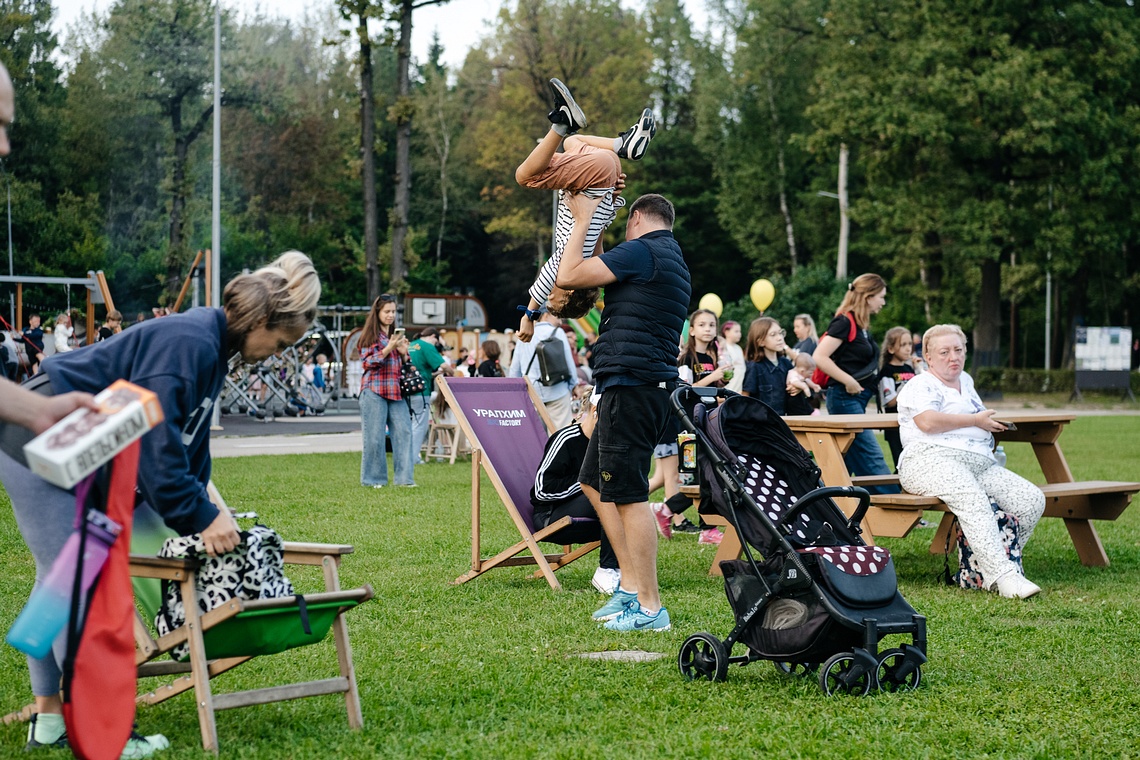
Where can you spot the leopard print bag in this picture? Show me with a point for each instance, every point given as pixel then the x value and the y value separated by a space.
pixel 254 570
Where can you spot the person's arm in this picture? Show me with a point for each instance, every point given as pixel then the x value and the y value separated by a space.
pixel 576 271
pixel 828 345
pixel 35 412
pixel 934 422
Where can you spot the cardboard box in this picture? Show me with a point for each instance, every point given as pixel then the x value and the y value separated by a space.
pixel 84 440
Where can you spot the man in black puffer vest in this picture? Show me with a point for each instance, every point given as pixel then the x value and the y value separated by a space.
pixel 635 369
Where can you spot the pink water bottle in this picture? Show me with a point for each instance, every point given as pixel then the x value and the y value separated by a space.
pixel 49 607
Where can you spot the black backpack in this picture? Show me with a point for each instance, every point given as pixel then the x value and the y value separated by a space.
pixel 551 356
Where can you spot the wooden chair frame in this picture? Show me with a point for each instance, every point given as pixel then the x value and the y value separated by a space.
pixel 197 673
pixel 547 563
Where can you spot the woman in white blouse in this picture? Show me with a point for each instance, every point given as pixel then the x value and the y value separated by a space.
pixel 947 437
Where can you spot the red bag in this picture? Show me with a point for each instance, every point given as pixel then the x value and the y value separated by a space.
pixel 99 710
pixel 819 377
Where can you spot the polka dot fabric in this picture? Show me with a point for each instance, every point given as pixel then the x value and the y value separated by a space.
pixel 853 560
pixel 771 493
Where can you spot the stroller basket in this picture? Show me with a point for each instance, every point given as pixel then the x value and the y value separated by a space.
pixel 809 590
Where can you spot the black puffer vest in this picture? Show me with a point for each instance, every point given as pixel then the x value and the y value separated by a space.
pixel 642 321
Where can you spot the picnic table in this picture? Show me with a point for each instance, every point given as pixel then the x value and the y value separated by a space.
pixel 895 515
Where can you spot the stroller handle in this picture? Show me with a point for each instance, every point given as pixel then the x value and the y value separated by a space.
pixel 687 396
pixel 833 492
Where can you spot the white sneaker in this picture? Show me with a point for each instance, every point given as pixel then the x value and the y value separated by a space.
pixel 606 580
pixel 1014 585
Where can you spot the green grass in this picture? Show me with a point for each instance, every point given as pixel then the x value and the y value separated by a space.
pixel 489 669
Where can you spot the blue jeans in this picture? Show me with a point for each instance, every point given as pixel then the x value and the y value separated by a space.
pixel 377 414
pixel 865 457
pixel 421 422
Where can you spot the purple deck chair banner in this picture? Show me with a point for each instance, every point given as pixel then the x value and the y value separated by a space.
pixel 509 430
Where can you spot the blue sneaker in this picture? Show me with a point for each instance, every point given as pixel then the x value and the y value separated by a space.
pixel 618 603
pixel 635 619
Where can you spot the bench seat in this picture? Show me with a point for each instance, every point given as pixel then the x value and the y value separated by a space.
pixel 1082 500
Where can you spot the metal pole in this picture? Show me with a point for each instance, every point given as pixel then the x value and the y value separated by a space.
pixel 844 222
pixel 11 269
pixel 1049 293
pixel 215 274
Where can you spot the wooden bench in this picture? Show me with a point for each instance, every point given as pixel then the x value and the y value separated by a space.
pixel 1074 502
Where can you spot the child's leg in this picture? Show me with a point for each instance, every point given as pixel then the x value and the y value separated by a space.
pixel 539 159
pixel 605 143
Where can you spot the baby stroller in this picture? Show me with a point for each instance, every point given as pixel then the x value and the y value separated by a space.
pixel 816 593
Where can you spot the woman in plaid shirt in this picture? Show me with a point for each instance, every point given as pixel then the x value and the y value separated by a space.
pixel 381 403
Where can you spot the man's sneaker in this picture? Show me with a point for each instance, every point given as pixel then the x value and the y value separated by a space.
pixel 50 729
pixel 663 517
pixel 710 536
pixel 566 111
pixel 636 619
pixel 139 746
pixel 618 603
pixel 685 526
pixel 636 139
pixel 606 580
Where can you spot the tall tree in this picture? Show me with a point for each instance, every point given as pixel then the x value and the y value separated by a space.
pixel 360 12
pixel 162 51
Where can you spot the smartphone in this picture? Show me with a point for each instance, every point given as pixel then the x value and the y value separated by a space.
pixel 1008 425
pixel 398 333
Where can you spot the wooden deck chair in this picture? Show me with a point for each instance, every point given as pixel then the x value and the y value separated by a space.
pixel 240 630
pixel 507 425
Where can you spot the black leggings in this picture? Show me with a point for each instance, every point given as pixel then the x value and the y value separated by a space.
pixel 578 533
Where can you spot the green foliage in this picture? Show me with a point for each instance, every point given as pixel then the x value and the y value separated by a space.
pixel 811 290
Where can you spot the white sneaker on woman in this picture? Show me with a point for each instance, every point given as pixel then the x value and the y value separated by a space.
pixel 1014 585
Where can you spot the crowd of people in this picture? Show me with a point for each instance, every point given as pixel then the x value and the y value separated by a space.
pixel 599 461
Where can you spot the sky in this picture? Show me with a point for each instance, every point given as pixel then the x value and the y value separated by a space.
pixel 460 23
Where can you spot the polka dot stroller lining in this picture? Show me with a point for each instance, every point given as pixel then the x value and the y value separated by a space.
pixel 858 575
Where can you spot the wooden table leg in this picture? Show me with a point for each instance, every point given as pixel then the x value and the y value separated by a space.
pixel 1087 543
pixel 730 546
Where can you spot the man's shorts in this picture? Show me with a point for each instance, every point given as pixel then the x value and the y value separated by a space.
pixel 630 421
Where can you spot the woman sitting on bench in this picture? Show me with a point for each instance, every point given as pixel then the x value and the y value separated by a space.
pixel 947 437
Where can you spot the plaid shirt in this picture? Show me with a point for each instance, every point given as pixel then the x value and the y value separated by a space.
pixel 381 375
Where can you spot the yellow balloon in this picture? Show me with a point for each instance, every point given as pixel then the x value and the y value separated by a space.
pixel 763 293
pixel 712 302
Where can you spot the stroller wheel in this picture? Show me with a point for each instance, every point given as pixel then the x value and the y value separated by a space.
pixel 894 674
pixel 797 669
pixel 838 676
pixel 703 656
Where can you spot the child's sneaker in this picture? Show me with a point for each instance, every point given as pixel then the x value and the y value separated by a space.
pixel 636 619
pixel 618 603
pixel 710 536
pixel 685 526
pixel 566 112
pixel 606 580
pixel 139 746
pixel 635 140
pixel 663 517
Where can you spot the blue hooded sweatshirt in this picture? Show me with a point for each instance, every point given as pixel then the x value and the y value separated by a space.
pixel 183 359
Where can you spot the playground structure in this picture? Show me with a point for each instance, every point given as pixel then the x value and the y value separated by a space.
pixel 95 284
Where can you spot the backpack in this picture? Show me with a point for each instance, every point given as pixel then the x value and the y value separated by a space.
pixel 968 575
pixel 254 570
pixel 411 381
pixel 819 377
pixel 551 356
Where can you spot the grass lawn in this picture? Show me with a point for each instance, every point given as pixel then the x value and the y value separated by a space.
pixel 490 669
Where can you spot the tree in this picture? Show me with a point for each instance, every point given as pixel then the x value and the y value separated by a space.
pixel 161 51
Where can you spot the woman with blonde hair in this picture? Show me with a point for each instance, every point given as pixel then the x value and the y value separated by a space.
pixel 184 360
pixel 847 354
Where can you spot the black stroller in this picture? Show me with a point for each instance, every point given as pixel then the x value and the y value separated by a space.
pixel 817 593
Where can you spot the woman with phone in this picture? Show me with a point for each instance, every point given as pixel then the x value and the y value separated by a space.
pixel 947 437
pixel 383 348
